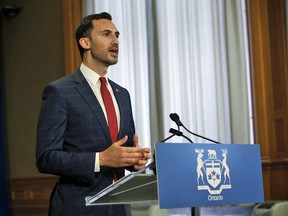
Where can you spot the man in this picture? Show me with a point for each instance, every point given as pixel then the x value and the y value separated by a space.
pixel 76 133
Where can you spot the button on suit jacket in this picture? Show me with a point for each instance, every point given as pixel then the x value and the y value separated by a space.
pixel 71 128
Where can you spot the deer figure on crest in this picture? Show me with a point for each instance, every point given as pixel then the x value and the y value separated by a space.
pixel 200 165
pixel 225 166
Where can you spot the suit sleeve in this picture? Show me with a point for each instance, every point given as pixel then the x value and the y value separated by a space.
pixel 50 154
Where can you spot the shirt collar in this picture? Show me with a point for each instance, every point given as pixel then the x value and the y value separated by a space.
pixel 90 75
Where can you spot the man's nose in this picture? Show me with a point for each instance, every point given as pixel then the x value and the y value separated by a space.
pixel 115 40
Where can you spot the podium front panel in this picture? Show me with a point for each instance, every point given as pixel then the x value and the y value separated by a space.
pixel 191 175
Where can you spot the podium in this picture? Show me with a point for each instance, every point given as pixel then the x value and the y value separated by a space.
pixel 136 187
pixel 192 175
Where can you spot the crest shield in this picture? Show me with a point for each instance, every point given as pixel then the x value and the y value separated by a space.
pixel 213 172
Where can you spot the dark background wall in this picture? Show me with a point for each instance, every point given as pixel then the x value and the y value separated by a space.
pixel 33 55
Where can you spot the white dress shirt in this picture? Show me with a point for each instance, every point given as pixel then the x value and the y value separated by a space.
pixel 92 78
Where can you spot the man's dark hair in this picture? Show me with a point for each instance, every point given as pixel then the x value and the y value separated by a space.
pixel 86 26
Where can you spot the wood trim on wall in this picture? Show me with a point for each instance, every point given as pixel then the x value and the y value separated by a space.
pixel 30 195
pixel 72 15
pixel 268 52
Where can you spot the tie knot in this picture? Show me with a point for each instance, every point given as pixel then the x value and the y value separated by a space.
pixel 103 80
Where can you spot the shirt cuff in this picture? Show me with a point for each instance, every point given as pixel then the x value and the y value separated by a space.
pixel 97 164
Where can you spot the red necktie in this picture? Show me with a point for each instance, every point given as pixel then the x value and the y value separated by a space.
pixel 110 110
pixel 111 114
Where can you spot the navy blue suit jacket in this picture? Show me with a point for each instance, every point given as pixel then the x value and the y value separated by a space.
pixel 71 128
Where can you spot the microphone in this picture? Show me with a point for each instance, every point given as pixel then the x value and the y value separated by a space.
pixel 174 117
pixel 179 133
pixel 174 133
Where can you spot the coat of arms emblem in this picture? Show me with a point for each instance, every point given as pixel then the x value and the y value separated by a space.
pixel 213 173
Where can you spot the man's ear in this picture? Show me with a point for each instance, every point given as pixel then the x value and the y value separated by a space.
pixel 85 43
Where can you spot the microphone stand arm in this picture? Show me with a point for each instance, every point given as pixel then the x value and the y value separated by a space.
pixel 200 136
pixel 168 138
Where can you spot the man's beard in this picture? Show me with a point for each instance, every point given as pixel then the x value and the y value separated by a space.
pixel 104 58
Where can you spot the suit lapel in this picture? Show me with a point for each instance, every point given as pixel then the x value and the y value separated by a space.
pixel 86 92
pixel 119 98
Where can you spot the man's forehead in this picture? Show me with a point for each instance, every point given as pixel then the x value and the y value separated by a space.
pixel 104 24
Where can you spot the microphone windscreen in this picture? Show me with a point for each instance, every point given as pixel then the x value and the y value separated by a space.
pixel 174 117
pixel 175 132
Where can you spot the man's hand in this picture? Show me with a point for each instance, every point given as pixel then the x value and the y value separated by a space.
pixel 119 156
pixel 145 154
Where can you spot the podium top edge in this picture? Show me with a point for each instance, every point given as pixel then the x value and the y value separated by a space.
pixel 169 143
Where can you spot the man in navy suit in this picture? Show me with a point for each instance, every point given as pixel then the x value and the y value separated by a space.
pixel 73 138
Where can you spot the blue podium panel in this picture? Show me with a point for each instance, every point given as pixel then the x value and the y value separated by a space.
pixel 191 175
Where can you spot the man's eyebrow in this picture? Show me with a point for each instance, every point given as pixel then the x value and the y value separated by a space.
pixel 110 31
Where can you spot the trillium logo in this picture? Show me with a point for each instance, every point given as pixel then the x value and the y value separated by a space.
pixel 213 174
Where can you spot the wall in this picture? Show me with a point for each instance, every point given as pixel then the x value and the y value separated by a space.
pixel 33 55
pixel 269 75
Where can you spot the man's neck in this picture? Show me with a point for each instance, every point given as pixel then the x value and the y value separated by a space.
pixel 97 68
